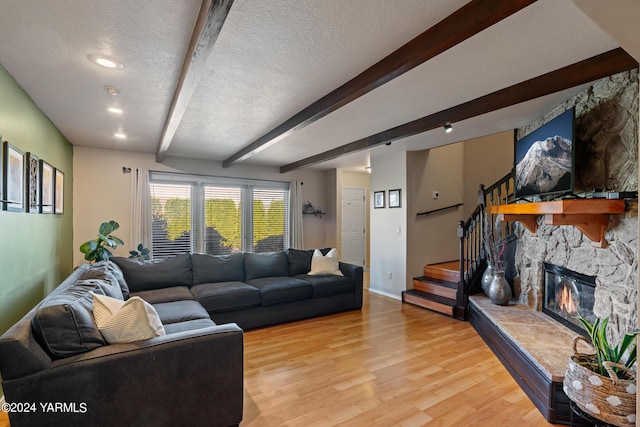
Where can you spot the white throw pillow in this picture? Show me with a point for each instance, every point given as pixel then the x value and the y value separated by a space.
pixel 126 321
pixel 325 264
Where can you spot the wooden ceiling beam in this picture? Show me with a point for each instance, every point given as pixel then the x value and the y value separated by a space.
pixel 597 67
pixel 208 25
pixel 466 22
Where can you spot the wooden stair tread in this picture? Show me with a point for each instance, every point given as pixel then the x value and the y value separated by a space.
pixel 449 271
pixel 435 281
pixel 431 297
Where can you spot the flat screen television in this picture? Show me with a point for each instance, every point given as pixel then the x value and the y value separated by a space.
pixel 545 159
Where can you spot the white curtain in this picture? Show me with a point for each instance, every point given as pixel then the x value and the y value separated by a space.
pixel 295 211
pixel 140 209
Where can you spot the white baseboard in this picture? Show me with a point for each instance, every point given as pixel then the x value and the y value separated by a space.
pixel 385 294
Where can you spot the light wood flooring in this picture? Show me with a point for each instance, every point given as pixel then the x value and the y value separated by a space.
pixel 391 364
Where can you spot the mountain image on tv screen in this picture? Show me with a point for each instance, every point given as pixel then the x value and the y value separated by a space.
pixel 544 159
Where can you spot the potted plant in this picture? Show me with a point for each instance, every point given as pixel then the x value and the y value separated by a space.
pixel 141 254
pixel 97 249
pixel 603 384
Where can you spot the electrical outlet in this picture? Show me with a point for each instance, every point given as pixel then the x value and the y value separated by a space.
pixel 436 195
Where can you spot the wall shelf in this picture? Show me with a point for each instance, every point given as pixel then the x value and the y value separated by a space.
pixel 590 216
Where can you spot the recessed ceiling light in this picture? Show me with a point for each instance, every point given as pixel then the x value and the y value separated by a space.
pixel 114 110
pixel 120 135
pixel 112 90
pixel 106 61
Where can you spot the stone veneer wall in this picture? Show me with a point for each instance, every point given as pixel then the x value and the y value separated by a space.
pixel 607 158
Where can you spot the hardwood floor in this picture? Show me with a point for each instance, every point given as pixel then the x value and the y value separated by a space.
pixel 390 364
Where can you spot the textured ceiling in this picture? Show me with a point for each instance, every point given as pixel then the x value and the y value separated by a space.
pixel 272 59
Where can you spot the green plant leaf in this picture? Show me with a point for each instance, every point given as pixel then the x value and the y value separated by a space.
pixel 117 240
pixel 140 247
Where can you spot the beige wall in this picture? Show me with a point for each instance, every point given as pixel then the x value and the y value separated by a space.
pixel 389 226
pixel 432 238
pixel 331 180
pixel 486 160
pixel 102 192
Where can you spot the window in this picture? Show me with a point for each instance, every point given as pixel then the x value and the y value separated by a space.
pixel 217 215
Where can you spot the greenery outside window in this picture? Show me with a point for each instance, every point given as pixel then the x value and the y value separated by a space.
pixel 217 215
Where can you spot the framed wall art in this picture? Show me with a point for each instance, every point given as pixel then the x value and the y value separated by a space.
pixel 32 191
pixel 12 178
pixel 58 192
pixel 394 198
pixel 46 187
pixel 378 199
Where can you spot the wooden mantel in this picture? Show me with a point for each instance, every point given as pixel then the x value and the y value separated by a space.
pixel 590 216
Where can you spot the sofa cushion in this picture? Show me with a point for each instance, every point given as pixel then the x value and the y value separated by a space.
pixel 325 286
pixel 64 322
pixel 299 261
pixel 180 311
pixel 265 264
pixel 226 296
pixel 175 293
pixel 107 270
pixel 325 264
pixel 217 268
pixel 188 325
pixel 275 290
pixel 126 321
pixel 155 273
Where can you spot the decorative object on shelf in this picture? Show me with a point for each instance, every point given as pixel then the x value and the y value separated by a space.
pixel 12 178
pixel 96 250
pixel 394 198
pixel 487 276
pixel 499 290
pixel 493 244
pixel 308 209
pixel 603 384
pixel 378 199
pixel 142 253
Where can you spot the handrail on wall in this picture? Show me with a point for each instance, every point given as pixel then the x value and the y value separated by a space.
pixel 441 209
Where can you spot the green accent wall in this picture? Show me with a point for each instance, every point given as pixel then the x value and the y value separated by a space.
pixel 35 249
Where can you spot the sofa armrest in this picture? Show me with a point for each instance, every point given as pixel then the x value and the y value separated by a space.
pixel 354 272
pixel 194 375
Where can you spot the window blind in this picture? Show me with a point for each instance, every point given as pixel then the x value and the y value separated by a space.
pixel 171 220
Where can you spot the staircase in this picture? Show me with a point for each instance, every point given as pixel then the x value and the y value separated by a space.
pixel 437 289
pixel 445 287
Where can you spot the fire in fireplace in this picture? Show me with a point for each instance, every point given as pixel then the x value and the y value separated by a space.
pixel 566 293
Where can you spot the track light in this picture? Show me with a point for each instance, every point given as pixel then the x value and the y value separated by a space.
pixel 448 128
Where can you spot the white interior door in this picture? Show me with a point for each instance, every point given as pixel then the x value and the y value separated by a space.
pixel 353 226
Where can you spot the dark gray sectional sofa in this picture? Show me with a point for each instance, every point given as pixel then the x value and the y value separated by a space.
pixel 194 374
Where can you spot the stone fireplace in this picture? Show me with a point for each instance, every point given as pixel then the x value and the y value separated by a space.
pixel 607 158
pixel 565 294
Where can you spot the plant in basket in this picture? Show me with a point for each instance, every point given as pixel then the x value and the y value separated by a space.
pixel 603 383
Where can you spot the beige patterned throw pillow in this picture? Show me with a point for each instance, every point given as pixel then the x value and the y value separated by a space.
pixel 126 321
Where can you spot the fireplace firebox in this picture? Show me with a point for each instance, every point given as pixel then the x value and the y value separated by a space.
pixel 566 293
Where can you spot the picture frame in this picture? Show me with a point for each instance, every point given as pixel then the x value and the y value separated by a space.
pixel 32 190
pixel 47 184
pixel 58 192
pixel 394 198
pixel 378 199
pixel 12 178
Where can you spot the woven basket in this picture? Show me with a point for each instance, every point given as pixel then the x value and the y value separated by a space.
pixel 609 399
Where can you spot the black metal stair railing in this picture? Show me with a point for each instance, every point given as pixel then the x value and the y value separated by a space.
pixel 472 254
